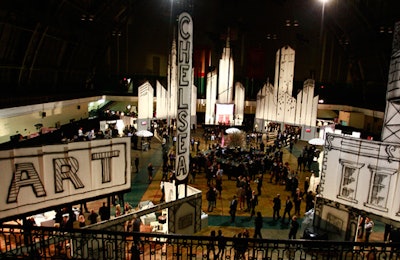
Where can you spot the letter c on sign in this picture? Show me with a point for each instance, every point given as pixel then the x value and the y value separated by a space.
pixel 184 28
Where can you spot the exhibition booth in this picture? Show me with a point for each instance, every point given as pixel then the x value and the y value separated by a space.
pixel 178 214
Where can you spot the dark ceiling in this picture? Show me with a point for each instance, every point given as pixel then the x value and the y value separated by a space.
pixel 53 48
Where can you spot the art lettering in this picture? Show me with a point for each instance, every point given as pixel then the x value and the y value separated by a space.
pixel 185 39
pixel 26 175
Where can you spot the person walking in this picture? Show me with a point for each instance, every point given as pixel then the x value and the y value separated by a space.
pixel 277 207
pixel 294 226
pixel 288 208
pixel 233 208
pixel 258 224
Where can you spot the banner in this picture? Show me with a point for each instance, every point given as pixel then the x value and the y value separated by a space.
pixel 38 178
pixel 185 51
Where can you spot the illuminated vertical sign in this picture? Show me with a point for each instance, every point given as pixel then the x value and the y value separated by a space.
pixel 185 50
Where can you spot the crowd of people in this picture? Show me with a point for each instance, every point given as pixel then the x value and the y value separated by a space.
pixel 250 167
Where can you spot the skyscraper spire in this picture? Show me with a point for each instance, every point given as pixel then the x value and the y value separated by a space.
pixel 228 38
pixel 391 126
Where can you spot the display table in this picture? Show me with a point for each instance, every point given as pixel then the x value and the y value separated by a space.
pixel 145 146
pixel 159 228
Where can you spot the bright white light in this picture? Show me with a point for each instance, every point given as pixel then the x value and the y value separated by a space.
pixel 321 101
pixel 324 1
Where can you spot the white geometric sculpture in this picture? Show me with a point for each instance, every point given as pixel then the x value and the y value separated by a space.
pixel 211 97
pixel 161 101
pixel 172 82
pixel 239 103
pixel 276 104
pixel 226 73
pixel 391 125
pixel 145 105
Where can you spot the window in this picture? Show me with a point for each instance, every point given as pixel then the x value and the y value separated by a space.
pixel 379 189
pixel 348 185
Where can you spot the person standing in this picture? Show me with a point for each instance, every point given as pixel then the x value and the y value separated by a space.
pixel 294 226
pixel 387 231
pixel 276 207
pixel 253 203
pixel 218 185
pixel 259 182
pixel 233 208
pixel 211 245
pixel 66 223
pixel 118 211
pixel 81 220
pixel 137 163
pixel 165 170
pixel 288 208
pixel 136 223
pixel 300 162
pixel 369 225
pixel 150 171
pixel 361 226
pixel 394 237
pixel 309 201
pixel 306 185
pixel 162 188
pixel 221 245
pixel 298 196
pixel 93 217
pixel 258 224
pixel 211 196
pixel 198 145
pixel 104 212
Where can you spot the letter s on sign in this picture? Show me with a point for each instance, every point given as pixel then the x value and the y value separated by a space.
pixel 182 117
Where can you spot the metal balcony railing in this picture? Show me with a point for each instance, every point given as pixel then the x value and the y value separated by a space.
pixel 53 243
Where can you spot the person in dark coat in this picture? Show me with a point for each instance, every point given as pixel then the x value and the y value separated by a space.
pixel 221 241
pixel 211 197
pixel 233 208
pixel 276 207
pixel 288 208
pixel 137 163
pixel 150 170
pixel 309 201
pixel 259 181
pixel 258 224
pixel 253 203
pixel 93 217
pixel 104 212
pixel 294 226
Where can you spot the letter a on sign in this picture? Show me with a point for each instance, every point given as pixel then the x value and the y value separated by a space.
pixel 185 51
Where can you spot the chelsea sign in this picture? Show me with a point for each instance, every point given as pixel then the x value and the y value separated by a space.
pixel 185 50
